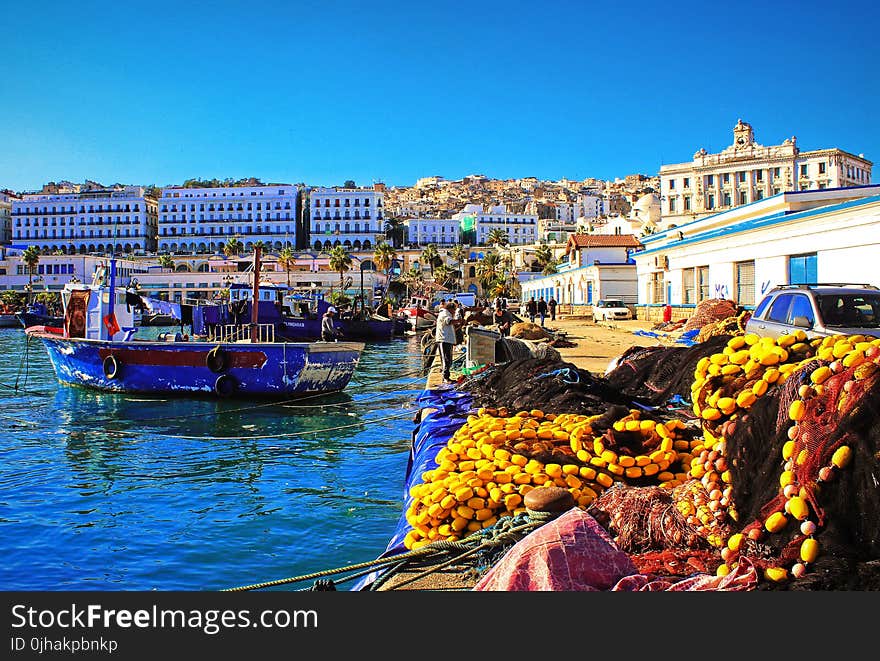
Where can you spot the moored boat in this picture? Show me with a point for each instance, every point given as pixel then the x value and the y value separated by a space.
pixel 37 315
pixel 97 348
pixel 419 313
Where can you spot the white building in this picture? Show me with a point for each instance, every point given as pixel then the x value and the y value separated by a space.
pixel 589 206
pixel 6 199
pixel 521 228
pixel 422 231
pixel 54 271
pixel 123 219
pixel 351 217
pixel 747 172
pixel 196 221
pixel 830 235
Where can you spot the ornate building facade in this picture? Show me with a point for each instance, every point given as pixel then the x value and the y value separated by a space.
pixel 747 172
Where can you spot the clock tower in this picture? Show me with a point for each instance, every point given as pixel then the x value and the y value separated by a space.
pixel 743 136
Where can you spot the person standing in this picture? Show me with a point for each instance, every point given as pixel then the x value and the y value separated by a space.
pixel 329 332
pixel 542 309
pixel 551 305
pixel 444 336
pixel 503 320
pixel 532 309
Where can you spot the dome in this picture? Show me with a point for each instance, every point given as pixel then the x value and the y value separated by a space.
pixel 647 207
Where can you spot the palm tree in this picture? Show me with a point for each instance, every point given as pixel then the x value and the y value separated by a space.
pixel 543 255
pixel 383 256
pixel 550 267
pixel 498 237
pixel 340 261
pixel 443 274
pixel 166 262
pixel 232 247
pixel 31 257
pixel 489 270
pixel 431 255
pixel 412 279
pixel 287 259
pixel 394 230
pixel 460 254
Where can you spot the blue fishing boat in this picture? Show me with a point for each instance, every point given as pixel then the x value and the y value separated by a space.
pixel 36 314
pixel 97 347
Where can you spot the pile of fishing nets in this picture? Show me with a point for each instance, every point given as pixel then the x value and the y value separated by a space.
pixel 545 383
pixel 729 326
pixel 772 474
pixel 655 374
pixel 709 311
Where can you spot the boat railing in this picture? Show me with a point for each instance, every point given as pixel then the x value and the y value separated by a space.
pixel 231 333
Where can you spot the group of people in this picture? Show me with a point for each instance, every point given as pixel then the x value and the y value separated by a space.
pixel 541 308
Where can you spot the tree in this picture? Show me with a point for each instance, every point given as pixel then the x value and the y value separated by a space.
pixel 498 237
pixel 543 255
pixel 349 183
pixel 287 259
pixel 489 270
pixel 340 261
pixel 431 256
pixel 395 231
pixel 232 248
pixel 443 275
pixel 31 257
pixel 383 256
pixel 550 267
pixel 166 262
pixel 460 255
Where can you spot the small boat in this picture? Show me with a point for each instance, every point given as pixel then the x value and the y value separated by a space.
pixel 97 348
pixel 301 316
pixel 36 314
pixel 9 320
pixel 419 313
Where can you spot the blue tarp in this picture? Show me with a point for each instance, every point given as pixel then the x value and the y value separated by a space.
pixel 158 306
pixel 430 435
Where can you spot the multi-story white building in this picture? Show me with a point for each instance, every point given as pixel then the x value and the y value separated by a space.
pixel 588 206
pixel 6 199
pixel 521 228
pixel 422 231
pixel 746 172
pixel 197 221
pixel 350 217
pixel 121 219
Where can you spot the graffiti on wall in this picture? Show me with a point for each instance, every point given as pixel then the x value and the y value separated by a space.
pixel 721 291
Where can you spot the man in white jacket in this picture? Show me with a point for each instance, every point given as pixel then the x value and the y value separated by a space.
pixel 444 335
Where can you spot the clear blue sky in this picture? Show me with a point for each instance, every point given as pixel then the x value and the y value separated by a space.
pixel 324 91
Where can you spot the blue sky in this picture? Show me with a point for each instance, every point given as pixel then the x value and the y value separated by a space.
pixel 325 91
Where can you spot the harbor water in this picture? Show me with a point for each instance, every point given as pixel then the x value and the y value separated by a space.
pixel 116 492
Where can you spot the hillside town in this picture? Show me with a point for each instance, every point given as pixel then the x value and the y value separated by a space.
pixel 720 225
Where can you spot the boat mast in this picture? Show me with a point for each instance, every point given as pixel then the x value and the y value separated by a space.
pixel 255 301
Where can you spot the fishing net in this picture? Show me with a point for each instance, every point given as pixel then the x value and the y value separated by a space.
pixel 729 326
pixel 710 311
pixel 656 374
pixel 843 502
pixel 548 384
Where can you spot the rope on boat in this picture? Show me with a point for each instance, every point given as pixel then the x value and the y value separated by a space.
pixel 491 542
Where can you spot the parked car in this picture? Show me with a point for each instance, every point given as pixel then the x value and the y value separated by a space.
pixel 611 309
pixel 819 310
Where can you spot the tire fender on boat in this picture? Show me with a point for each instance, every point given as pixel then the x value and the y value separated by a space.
pixel 111 366
pixel 216 360
pixel 225 385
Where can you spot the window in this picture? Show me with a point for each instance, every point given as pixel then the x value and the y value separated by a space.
pixel 687 182
pixel 672 205
pixel 759 194
pixel 777 172
pixel 725 178
pixel 745 283
pixel 703 282
pixel 759 175
pixel 779 310
pixel 710 179
pixel 687 203
pixel 743 197
pixel 725 200
pixel 804 170
pixel 822 167
pixel 741 176
pixel 710 201
pixel 672 184
pixel 802 269
pixel 688 291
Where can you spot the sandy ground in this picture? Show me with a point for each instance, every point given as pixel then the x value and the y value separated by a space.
pixel 599 343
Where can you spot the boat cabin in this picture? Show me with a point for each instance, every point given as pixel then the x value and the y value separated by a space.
pixel 91 312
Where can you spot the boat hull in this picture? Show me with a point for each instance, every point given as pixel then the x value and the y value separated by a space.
pixel 28 319
pixel 9 321
pixel 278 369
pixel 310 329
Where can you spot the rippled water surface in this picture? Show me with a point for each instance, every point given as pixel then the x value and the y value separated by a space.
pixel 116 492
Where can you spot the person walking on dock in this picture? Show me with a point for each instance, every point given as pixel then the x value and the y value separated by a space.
pixel 542 309
pixel 444 335
pixel 532 309
pixel 551 305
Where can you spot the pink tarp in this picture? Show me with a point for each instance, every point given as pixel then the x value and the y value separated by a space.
pixel 575 553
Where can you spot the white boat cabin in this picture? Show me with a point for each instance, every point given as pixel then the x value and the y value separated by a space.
pixel 91 313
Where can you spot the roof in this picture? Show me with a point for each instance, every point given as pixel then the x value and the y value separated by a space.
pixel 602 241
